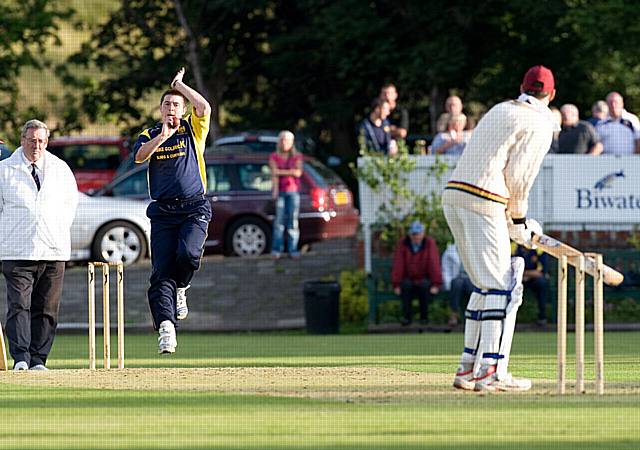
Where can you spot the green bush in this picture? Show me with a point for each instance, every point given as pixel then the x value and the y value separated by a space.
pixel 626 310
pixel 354 304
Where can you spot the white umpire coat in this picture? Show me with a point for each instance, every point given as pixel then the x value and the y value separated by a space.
pixel 36 225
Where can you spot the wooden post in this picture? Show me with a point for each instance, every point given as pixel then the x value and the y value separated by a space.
pixel 579 311
pixel 562 323
pixel 91 278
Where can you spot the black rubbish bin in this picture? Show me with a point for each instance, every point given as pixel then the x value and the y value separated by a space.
pixel 322 307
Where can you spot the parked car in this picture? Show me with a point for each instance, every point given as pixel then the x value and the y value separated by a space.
pixel 259 141
pixel 239 189
pixel 110 229
pixel 4 150
pixel 93 159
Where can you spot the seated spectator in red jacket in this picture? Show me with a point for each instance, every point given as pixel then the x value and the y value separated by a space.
pixel 416 271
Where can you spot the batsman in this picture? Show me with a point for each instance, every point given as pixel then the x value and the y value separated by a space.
pixel 485 204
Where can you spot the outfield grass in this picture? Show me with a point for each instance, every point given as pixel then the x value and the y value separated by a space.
pixel 408 404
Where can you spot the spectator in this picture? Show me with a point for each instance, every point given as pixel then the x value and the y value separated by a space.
pixel 455 280
pixel 599 113
pixel 577 136
pixel 620 133
pixel 286 170
pixel 416 271
pixel 535 278
pixel 179 212
pixel 615 103
pixel 374 132
pixel 452 141
pixel 399 116
pixel 39 195
pixel 452 106
pixel 556 134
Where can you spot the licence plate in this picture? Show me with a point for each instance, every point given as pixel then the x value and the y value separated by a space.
pixel 341 198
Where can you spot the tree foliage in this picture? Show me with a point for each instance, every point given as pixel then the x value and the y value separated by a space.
pixel 315 65
pixel 27 30
pixel 143 44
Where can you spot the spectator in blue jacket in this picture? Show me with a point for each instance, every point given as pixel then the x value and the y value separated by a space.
pixel 374 132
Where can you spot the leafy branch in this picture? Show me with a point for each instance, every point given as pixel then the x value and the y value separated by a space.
pixel 388 176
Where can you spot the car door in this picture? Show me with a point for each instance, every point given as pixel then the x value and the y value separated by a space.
pixel 220 195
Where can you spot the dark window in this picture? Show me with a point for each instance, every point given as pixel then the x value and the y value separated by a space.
pixel 89 156
pixel 218 178
pixel 255 177
pixel 134 185
pixel 321 175
pixel 252 146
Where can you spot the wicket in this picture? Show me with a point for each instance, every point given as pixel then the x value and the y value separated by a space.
pixel 106 321
pixel 598 321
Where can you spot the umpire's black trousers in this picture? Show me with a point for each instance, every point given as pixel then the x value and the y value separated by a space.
pixel 33 299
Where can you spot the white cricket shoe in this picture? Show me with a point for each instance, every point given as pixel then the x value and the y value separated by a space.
pixel 39 367
pixel 21 365
pixel 167 341
pixel 182 310
pixel 488 381
pixel 464 378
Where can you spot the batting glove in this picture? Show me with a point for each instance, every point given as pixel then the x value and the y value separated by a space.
pixel 521 231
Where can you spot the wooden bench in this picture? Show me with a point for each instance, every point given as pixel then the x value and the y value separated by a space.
pixel 380 288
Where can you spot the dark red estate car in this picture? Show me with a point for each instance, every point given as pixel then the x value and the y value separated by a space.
pixel 93 159
pixel 239 189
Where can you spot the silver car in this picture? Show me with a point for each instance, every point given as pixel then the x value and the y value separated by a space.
pixel 110 229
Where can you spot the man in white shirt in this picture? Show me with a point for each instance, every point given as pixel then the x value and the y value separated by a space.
pixel 485 204
pixel 38 199
pixel 620 132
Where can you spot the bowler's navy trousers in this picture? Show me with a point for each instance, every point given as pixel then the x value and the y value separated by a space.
pixel 178 233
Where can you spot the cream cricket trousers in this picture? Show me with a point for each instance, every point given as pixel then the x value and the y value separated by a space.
pixel 485 250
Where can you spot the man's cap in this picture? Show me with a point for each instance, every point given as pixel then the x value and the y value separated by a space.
pixel 416 227
pixel 538 79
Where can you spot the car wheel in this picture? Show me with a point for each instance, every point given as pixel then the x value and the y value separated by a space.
pixel 119 241
pixel 248 237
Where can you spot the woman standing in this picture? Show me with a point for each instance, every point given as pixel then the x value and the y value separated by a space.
pixel 286 170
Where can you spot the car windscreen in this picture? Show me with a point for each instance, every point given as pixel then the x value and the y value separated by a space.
pixel 321 174
pixel 135 185
pixel 89 156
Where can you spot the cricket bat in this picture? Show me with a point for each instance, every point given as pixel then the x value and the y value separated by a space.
pixel 3 351
pixel 556 248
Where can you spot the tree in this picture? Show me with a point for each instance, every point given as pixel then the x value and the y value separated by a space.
pixel 145 41
pixel 316 64
pixel 27 29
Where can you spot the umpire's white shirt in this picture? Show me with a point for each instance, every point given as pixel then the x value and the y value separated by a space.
pixel 36 225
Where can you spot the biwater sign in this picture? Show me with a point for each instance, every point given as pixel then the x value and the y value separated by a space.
pixel 574 191
pixel 602 189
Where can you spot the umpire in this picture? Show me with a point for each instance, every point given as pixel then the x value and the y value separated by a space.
pixel 38 199
pixel 179 213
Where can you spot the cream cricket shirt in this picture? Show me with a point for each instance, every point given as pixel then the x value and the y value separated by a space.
pixel 502 159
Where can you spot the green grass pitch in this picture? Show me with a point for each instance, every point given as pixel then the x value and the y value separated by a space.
pixel 293 391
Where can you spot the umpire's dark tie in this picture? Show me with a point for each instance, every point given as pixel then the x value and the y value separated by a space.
pixel 35 176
